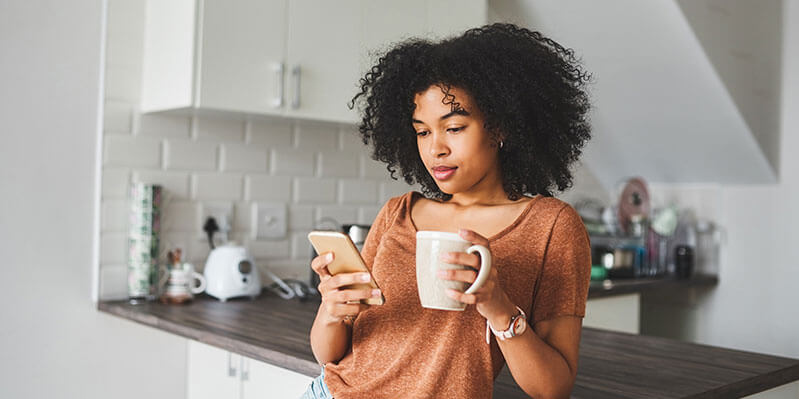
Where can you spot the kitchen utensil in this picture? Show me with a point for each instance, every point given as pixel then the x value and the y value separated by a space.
pixel 230 272
pixel 633 205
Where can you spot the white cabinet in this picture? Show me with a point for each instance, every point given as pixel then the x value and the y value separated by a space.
pixel 298 58
pixel 219 374
pixel 617 313
pixel 214 54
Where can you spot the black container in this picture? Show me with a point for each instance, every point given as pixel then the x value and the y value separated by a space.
pixel 683 261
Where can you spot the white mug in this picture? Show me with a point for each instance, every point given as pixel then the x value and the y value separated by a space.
pixel 430 245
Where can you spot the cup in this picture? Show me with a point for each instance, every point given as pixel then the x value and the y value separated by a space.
pixel 430 245
pixel 182 282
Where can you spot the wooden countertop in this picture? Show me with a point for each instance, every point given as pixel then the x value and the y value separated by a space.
pixel 612 365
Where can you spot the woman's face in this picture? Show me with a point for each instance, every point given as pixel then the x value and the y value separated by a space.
pixel 454 146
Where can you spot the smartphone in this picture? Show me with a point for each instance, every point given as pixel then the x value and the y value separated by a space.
pixel 346 259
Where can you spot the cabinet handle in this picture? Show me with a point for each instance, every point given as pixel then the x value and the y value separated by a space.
pixel 277 67
pixel 231 371
pixel 295 74
pixel 245 369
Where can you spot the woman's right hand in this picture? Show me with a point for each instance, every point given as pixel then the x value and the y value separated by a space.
pixel 335 297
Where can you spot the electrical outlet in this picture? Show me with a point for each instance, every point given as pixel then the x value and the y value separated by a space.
pixel 222 212
pixel 270 221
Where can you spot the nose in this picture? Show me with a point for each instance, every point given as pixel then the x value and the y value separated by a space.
pixel 438 145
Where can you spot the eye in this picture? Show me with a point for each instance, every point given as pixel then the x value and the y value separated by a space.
pixel 421 134
pixel 455 129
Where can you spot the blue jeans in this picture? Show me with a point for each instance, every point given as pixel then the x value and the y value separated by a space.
pixel 318 388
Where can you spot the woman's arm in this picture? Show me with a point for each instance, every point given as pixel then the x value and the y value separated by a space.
pixel 330 334
pixel 330 338
pixel 543 360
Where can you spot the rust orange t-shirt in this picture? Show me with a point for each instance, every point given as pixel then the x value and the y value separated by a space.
pixel 402 350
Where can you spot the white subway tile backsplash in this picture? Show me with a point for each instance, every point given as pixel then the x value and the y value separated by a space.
pixel 181 216
pixel 367 214
pixel 243 217
pixel 284 268
pixel 166 126
pixel 310 190
pixel 132 151
pixel 228 130
pixel 190 155
pixel 301 217
pixel 357 191
pixel 114 248
pixel 313 136
pixel 395 188
pixel 116 183
pixel 113 281
pixel 300 246
pixel 270 134
pixel 176 184
pixel 117 117
pixel 171 241
pixel 292 162
pixel 339 213
pixel 114 215
pixel 243 158
pixel 269 249
pixel 216 186
pixel 349 140
pixel 336 164
pixel 266 187
pixel 374 169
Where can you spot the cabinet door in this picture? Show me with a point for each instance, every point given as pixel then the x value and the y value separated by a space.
pixel 262 380
pixel 209 373
pixel 323 43
pixel 387 22
pixel 241 53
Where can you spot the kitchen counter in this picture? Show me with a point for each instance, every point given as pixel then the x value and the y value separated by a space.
pixel 612 364
pixel 606 288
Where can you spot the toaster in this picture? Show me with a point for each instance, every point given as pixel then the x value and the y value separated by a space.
pixel 230 272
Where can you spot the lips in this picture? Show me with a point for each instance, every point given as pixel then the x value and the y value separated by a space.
pixel 443 172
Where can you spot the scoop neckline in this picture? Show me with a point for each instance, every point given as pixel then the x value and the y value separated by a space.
pixel 500 234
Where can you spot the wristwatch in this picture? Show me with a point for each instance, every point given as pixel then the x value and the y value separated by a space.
pixel 518 323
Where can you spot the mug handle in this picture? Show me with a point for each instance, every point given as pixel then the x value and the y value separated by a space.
pixel 485 267
pixel 199 277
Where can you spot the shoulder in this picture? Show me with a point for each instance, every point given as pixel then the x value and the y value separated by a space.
pixel 557 215
pixel 396 205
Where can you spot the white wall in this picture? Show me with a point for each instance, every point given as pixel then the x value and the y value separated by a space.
pixel 52 340
pixel 754 306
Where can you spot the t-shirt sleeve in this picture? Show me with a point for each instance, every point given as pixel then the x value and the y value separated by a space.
pixel 562 287
pixel 379 226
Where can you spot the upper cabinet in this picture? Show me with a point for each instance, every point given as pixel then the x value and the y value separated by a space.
pixel 297 58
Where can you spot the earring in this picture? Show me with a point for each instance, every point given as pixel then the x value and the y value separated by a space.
pixel 501 143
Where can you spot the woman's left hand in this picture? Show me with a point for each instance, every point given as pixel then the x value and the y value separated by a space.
pixel 491 300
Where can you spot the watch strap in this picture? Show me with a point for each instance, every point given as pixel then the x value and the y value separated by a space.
pixel 510 331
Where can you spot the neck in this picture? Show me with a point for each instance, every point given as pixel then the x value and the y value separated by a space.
pixel 487 191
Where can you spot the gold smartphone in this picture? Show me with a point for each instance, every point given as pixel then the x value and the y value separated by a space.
pixel 346 259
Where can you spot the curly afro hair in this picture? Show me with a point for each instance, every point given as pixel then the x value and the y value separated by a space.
pixel 530 89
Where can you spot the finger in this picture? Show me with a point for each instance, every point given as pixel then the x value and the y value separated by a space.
pixel 465 275
pixel 350 309
pixel 342 279
pixel 319 264
pixel 473 237
pixel 469 299
pixel 356 295
pixel 461 258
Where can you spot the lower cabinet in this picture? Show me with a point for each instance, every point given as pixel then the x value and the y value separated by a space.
pixel 220 374
pixel 617 313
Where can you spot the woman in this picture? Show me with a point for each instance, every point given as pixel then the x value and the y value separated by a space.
pixel 488 123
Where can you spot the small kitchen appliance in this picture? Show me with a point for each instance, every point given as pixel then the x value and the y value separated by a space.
pixel 230 272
